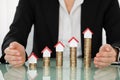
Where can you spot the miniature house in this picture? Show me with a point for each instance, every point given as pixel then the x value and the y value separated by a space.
pixel 59 46
pixel 32 58
pixel 73 42
pixel 32 74
pixel 46 77
pixel 1 75
pixel 46 52
pixel 87 33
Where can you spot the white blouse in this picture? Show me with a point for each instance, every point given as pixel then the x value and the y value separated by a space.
pixel 70 25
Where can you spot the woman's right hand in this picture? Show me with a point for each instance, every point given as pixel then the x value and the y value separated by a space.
pixel 15 54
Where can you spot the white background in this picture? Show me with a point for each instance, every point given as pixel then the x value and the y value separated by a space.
pixel 7 11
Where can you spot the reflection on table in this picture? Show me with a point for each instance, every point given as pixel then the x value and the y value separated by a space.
pixel 109 73
pixel 59 73
pixel 15 73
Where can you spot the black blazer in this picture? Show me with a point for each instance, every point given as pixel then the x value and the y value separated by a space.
pixel 44 14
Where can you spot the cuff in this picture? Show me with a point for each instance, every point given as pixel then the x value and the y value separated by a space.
pixel 2 60
pixel 118 53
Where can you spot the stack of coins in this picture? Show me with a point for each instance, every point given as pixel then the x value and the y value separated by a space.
pixel 59 72
pixel 87 74
pixel 73 73
pixel 46 61
pixel 87 52
pixel 59 59
pixel 46 71
pixel 73 58
pixel 32 66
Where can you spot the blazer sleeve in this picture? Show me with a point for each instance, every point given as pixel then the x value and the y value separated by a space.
pixel 112 23
pixel 21 26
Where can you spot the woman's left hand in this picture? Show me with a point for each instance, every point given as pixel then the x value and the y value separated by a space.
pixel 105 56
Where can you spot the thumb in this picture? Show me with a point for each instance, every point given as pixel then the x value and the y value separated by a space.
pixel 13 45
pixel 105 48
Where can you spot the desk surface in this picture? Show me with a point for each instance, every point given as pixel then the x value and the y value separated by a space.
pixel 64 73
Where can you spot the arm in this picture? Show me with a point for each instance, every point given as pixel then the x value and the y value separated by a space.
pixel 21 26
pixel 112 26
pixel 109 53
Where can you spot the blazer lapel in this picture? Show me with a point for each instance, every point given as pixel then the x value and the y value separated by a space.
pixel 52 17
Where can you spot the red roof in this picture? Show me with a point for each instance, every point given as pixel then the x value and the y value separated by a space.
pixel 45 49
pixel 86 30
pixel 33 55
pixel 59 42
pixel 72 39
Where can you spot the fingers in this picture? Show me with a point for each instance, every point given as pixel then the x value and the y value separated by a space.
pixel 105 48
pixel 103 62
pixel 105 59
pixel 15 54
pixel 15 61
pixel 9 51
pixel 14 45
pixel 12 58
pixel 105 56
pixel 100 64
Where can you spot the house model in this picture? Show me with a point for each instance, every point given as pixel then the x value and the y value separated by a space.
pixel 46 77
pixel 32 74
pixel 32 58
pixel 59 47
pixel 73 42
pixel 87 33
pixel 1 75
pixel 46 52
